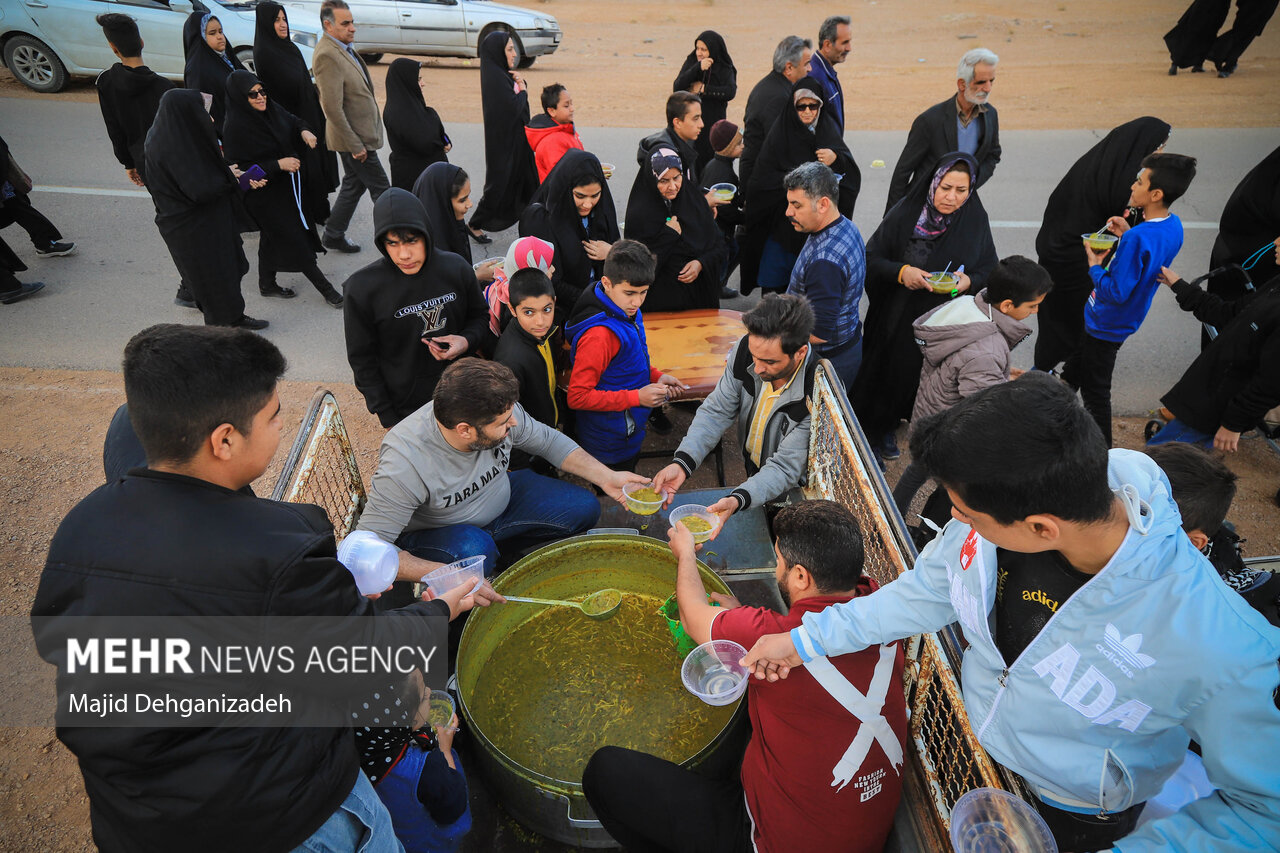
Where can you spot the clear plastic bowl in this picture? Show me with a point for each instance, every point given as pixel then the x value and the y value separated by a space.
pixel 494 260
pixel 607 169
pixel 724 192
pixel 712 672
pixel 988 820
pixel 680 513
pixel 640 506
pixel 942 282
pixel 1100 242
pixel 442 709
pixel 372 562
pixel 454 575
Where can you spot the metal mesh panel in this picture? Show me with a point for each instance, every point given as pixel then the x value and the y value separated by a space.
pixel 842 468
pixel 321 468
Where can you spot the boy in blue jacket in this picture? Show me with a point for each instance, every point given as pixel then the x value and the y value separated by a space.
pixel 1123 290
pixel 612 386
pixel 1101 642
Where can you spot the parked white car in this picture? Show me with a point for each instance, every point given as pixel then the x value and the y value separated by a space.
pixel 438 27
pixel 46 42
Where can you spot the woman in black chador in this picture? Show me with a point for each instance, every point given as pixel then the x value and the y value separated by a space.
pixel 192 189
pixel 1195 37
pixel 804 132
pixel 671 217
pixel 1093 190
pixel 1250 220
pixel 282 70
pixel 208 62
pixel 510 176
pixel 573 210
pixel 708 72
pixel 937 225
pixel 414 129
pixel 262 133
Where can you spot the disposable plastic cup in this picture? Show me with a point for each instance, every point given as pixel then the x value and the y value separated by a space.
pixel 691 513
pixel 445 578
pixel 724 192
pixel 607 169
pixel 940 282
pixel 1100 242
pixel 988 820
pixel 372 562
pixel 712 672
pixel 493 260
pixel 642 505
pixel 442 710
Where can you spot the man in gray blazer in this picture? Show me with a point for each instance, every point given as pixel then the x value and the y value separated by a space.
pixel 963 122
pixel 354 123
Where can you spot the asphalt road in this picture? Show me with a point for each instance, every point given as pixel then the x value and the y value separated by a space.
pixel 121 278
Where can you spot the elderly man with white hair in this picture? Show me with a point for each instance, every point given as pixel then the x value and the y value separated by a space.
pixel 964 122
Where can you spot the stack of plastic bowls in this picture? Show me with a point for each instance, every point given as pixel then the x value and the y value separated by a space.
pixel 712 672
pixel 372 562
pixel 468 571
pixel 988 820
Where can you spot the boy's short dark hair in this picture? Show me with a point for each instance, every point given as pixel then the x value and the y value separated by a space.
pixel 1017 279
pixel 1170 173
pixel 474 391
pixel 678 104
pixel 529 283
pixel 121 31
pixel 1202 485
pixel 785 316
pixel 183 382
pixel 551 96
pixel 632 262
pixel 1020 448
pixel 823 537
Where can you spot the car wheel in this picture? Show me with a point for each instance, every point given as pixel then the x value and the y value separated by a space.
pixel 371 58
pixel 245 55
pixel 32 62
pixel 526 61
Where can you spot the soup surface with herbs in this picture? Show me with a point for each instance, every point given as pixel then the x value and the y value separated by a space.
pixel 560 686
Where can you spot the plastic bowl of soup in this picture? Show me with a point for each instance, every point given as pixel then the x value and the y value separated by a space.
pixel 724 192
pixel 486 262
pixel 642 498
pixel 1099 242
pixel 700 521
pixel 607 168
pixel 942 282
pixel 712 672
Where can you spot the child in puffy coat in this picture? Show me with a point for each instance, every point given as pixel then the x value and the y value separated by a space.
pixel 966 344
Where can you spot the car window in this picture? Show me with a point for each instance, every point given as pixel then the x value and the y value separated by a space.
pixel 145 4
pixel 433 2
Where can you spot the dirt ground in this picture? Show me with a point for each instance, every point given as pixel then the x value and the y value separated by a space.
pixel 1083 64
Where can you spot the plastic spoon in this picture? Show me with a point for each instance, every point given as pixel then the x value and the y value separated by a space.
pixel 598 605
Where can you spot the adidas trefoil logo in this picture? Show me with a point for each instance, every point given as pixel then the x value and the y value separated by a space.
pixel 1124 652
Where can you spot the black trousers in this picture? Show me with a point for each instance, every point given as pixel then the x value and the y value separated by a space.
pixel 1089 371
pixel 648 804
pixel 1085 833
pixel 18 209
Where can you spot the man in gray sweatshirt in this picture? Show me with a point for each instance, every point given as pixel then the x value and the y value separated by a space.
pixel 442 490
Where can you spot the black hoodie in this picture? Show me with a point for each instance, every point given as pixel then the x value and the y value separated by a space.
pixel 388 313
pixel 129 99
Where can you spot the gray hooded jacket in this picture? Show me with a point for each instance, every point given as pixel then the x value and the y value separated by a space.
pixel 966 344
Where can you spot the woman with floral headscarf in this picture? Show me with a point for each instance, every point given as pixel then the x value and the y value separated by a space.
pixel 935 226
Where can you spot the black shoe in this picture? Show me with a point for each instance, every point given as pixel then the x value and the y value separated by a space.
pixel 183 298
pixel 56 250
pixel 340 244
pixel 1173 69
pixel 1197 69
pixel 332 296
pixel 888 448
pixel 482 238
pixel 247 322
pixel 728 293
pixel 659 422
pixel 1226 70
pixel 21 292
pixel 276 291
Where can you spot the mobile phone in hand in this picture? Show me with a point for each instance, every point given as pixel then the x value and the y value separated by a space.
pixel 255 173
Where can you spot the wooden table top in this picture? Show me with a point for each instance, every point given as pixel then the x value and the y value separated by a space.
pixel 692 345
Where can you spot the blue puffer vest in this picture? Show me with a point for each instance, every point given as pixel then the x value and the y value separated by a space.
pixel 613 436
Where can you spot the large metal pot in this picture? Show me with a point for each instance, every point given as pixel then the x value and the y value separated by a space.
pixel 554 807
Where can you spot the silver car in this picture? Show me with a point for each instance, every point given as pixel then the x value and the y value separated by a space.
pixel 46 42
pixel 438 27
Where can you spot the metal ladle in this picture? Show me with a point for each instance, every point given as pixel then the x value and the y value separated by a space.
pixel 598 605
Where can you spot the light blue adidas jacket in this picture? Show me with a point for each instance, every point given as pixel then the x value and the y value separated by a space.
pixel 1097 711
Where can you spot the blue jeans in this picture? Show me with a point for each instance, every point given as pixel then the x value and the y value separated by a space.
pixel 541 508
pixel 361 824
pixel 1176 430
